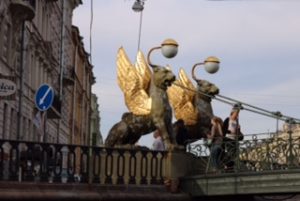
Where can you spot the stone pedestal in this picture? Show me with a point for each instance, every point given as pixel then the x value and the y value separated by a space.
pixel 178 164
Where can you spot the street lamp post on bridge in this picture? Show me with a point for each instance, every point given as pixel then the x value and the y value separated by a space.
pixel 169 49
pixel 211 65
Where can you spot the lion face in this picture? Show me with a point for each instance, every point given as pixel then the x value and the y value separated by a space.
pixel 207 87
pixel 163 77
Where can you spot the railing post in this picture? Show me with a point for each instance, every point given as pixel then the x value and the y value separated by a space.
pixel 290 132
pixel 154 167
pixel 237 156
pixel 84 164
pixel 71 163
pixel 120 167
pixel 143 167
pixel 132 166
pixel 14 161
pixel 96 164
pixel 108 166
pixel 58 157
pixel 30 162
pixel 44 163
pixel 91 165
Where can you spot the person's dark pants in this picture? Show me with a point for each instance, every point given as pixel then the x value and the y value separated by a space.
pixel 231 147
pixel 216 153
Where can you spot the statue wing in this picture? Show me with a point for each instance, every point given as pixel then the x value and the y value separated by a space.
pixel 182 99
pixel 143 70
pixel 134 82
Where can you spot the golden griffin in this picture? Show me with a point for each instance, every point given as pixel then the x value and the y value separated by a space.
pixel 147 94
pixel 147 100
pixel 192 104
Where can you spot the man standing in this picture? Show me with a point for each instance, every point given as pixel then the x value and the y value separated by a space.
pixel 158 144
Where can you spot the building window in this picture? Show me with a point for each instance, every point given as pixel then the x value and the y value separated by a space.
pixel 34 133
pixel 31 69
pixel 4 121
pixel 30 130
pixel 24 129
pixel 5 37
pixel 12 126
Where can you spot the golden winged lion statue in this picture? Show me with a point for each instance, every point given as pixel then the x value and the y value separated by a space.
pixel 145 94
pixel 192 105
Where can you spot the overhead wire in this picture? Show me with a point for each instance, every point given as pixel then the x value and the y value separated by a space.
pixel 91 26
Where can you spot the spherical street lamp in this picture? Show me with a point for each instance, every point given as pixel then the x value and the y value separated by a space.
pixel 169 49
pixel 211 65
pixel 138 6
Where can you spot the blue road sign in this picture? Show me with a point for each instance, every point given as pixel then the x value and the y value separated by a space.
pixel 44 97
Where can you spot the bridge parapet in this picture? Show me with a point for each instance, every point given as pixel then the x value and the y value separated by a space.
pixel 256 159
pixel 61 163
pixel 257 166
pixel 251 155
pixel 35 171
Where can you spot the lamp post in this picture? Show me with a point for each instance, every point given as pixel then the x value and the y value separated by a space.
pixel 211 65
pixel 290 161
pixel 278 115
pixel 138 7
pixel 169 49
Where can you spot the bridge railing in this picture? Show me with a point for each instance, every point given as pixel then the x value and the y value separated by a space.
pixel 249 155
pixel 61 163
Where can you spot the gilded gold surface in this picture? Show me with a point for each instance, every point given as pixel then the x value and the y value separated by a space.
pixel 134 81
pixel 182 99
pixel 212 59
pixel 169 41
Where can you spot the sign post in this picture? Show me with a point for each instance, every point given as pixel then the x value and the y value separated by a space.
pixel 43 100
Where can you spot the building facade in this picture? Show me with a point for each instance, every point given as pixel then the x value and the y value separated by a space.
pixel 96 139
pixel 39 45
pixel 81 72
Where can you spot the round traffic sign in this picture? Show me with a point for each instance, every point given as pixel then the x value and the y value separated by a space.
pixel 44 97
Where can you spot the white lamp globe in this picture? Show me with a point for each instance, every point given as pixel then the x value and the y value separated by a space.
pixel 169 48
pixel 212 65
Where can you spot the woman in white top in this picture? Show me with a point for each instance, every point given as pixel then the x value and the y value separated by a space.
pixel 231 129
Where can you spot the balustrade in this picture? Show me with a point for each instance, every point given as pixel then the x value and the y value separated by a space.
pixel 251 155
pixel 61 163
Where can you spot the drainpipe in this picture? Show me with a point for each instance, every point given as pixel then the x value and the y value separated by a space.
pixel 20 113
pixel 61 65
pixel 90 111
pixel 74 97
pixel 81 120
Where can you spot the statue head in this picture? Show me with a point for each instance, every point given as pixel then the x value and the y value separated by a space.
pixel 163 77
pixel 207 87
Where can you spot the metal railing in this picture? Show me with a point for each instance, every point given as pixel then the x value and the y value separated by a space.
pixel 249 155
pixel 61 163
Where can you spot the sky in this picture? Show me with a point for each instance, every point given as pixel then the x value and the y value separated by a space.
pixel 257 41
